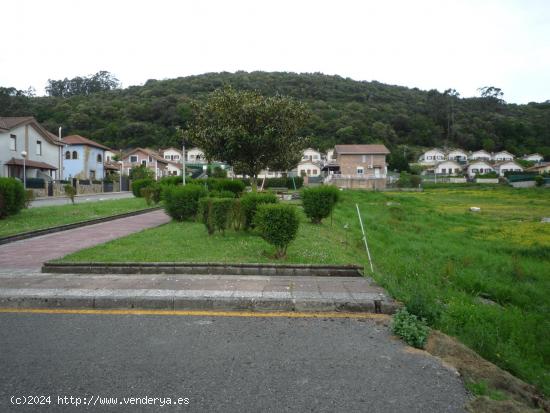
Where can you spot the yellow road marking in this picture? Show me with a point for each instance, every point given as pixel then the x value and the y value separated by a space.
pixel 197 313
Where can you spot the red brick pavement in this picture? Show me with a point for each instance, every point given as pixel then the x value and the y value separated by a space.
pixel 31 253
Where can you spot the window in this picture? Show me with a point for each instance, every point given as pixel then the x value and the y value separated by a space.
pixel 166 156
pixel 150 159
pixel 133 158
pixel 13 142
pixel 360 170
pixel 38 147
pixel 92 174
pixel 75 155
pixel 99 158
pixel 176 157
pixel 144 162
pixel 68 155
pixel 314 171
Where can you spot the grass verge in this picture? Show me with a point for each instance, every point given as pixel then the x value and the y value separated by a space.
pixel 51 216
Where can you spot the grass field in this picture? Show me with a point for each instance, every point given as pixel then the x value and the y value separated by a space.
pixel 483 277
pixel 50 216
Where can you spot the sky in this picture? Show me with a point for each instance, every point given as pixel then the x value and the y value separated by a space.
pixel 428 44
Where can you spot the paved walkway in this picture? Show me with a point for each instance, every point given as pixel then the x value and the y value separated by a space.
pixel 79 199
pixel 29 254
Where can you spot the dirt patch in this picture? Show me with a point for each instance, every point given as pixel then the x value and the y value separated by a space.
pixel 474 368
pixel 486 405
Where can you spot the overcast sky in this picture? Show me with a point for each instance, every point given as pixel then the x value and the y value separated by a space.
pixel 427 44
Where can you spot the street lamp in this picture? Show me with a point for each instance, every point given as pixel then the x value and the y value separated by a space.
pixel 24 155
pixel 120 177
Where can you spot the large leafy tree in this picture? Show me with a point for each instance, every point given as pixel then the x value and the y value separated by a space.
pixel 249 131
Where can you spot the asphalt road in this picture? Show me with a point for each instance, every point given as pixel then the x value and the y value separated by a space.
pixel 219 364
pixel 80 199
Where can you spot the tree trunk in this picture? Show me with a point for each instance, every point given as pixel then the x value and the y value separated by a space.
pixel 254 183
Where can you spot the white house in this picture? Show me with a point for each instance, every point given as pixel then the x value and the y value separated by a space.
pixel 171 154
pixel 110 155
pixel 448 168
pixel 503 156
pixel 507 166
pixel 480 155
pixel 478 168
pixel 431 157
pixel 309 168
pixel 43 149
pixel 330 156
pixel 457 155
pixel 147 158
pixel 533 157
pixel 174 168
pixel 195 155
pixel 311 155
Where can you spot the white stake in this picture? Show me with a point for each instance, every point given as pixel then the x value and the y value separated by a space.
pixel 364 237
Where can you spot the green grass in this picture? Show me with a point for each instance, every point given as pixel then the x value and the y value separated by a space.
pixel 50 216
pixel 482 277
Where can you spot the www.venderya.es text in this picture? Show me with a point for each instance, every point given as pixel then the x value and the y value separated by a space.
pixel 97 400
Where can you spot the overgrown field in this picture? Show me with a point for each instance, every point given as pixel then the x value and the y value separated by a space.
pixel 49 216
pixel 483 277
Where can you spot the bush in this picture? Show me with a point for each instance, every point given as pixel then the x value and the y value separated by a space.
pixel 278 225
pixel 217 172
pixel 539 180
pixel 12 196
pixel 141 183
pixel 182 202
pixel 70 191
pixel 205 214
pixel 250 203
pixel 172 180
pixel 221 212
pixel 141 172
pixel 29 197
pixel 410 328
pixel 237 215
pixel 152 193
pixel 283 182
pixel 235 186
pixel 488 175
pixel 221 194
pixel 319 202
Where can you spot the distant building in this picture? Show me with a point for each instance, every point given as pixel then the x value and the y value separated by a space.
pixel 83 158
pixel 479 168
pixel 147 158
pixel 533 157
pixel 507 166
pixel 502 156
pixel 431 157
pixel 43 159
pixel 480 155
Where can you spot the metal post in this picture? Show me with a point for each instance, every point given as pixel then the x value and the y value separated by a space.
pixel 183 162
pixel 24 156
pixel 364 237
pixel 120 177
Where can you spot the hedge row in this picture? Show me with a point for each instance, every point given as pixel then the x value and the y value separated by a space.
pixel 12 197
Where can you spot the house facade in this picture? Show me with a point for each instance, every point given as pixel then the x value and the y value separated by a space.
pixel 507 166
pixel 448 168
pixel 309 168
pixel 533 157
pixel 457 155
pixel 42 148
pixel 541 168
pixel 502 156
pixel 431 157
pixel 195 155
pixel 147 158
pixel 172 154
pixel 479 168
pixel 83 158
pixel 480 155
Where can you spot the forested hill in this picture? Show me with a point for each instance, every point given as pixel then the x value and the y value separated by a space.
pixel 344 111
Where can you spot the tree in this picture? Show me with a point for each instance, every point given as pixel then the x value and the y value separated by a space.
pixel 99 82
pixel 249 131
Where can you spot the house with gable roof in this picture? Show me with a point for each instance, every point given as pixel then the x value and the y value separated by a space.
pixel 83 158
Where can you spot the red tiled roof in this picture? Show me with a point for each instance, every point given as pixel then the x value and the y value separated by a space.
pixel 30 164
pixel 361 149
pixel 81 140
pixel 149 152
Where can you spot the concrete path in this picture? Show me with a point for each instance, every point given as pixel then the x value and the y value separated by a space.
pixel 79 199
pixel 194 292
pixel 29 254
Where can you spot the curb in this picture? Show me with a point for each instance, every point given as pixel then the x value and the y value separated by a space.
pixel 204 269
pixel 51 230
pixel 174 300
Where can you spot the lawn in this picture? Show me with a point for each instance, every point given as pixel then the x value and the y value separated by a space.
pixel 483 277
pixel 50 216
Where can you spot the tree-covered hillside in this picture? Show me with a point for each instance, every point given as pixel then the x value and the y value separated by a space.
pixel 343 111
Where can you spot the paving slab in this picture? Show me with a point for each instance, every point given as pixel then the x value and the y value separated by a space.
pixel 182 291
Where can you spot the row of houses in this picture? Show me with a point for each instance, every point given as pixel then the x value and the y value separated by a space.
pixel 433 156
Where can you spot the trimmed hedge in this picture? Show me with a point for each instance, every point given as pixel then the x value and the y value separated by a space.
pixel 279 182
pixel 250 203
pixel 141 183
pixel 278 225
pixel 12 197
pixel 319 202
pixel 236 186
pixel 222 194
pixel 182 202
pixel 151 193
pixel 36 183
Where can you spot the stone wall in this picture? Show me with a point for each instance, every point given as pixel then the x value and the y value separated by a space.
pixel 358 183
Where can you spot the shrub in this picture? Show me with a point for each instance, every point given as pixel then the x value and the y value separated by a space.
pixel 410 328
pixel 141 183
pixel 217 172
pixel 221 212
pixel 284 182
pixel 205 214
pixel 12 196
pixel 488 175
pixel 235 186
pixel 182 202
pixel 278 225
pixel 221 194
pixel 151 193
pixel 172 180
pixel 250 203
pixel 539 180
pixel 319 202
pixel 70 191
pixel 29 197
pixel 415 181
pixel 141 172
pixel 237 215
